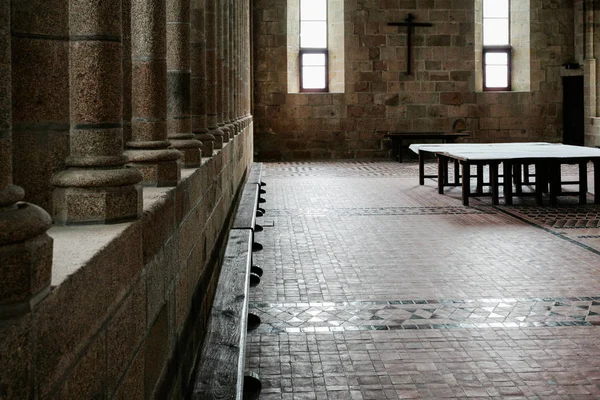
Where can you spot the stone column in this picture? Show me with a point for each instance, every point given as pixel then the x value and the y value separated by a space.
pixel 198 82
pixel 235 87
pixel 221 42
pixel 247 66
pixel 232 65
pixel 127 68
pixel 227 67
pixel 148 149
pixel 25 248
pixel 590 68
pixel 179 122
pixel 96 187
pixel 211 73
pixel 241 66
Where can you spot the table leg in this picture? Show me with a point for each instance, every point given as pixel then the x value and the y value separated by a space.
pixel 466 182
pixel 441 161
pixel 583 186
pixel 526 174
pixel 479 189
pixel 456 172
pixel 494 182
pixel 555 179
pixel 542 175
pixel 446 175
pixel 421 168
pixel 517 177
pixel 507 182
pixel 539 182
pixel 596 181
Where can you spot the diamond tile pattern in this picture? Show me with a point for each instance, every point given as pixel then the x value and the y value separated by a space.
pixel 427 314
pixel 576 217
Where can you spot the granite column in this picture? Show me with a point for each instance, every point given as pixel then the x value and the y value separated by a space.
pixel 227 39
pixel 96 187
pixel 179 122
pixel 220 12
pixel 212 84
pixel 198 81
pixel 246 78
pixel 25 248
pixel 148 148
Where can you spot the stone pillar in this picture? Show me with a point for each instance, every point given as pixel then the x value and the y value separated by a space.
pixel 227 67
pixel 236 48
pixel 198 83
pixel 212 84
pixel 246 79
pixel 148 149
pixel 221 43
pixel 232 65
pixel 40 95
pixel 25 248
pixel 96 187
pixel 179 122
pixel 127 68
pixel 590 68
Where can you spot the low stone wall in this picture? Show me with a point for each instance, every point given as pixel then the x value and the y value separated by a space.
pixel 129 302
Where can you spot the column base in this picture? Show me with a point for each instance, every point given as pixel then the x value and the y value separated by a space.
pixel 219 136
pixel 97 205
pixel 226 134
pixel 25 265
pixel 208 143
pixel 158 167
pixel 191 151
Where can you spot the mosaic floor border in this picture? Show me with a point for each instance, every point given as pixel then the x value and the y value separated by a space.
pixel 374 211
pixel 427 314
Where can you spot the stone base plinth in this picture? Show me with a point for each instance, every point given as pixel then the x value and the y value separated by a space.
pixel 26 269
pixel 166 173
pixel 191 152
pixel 97 204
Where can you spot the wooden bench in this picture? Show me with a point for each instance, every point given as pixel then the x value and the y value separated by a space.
pixel 399 137
pixel 220 372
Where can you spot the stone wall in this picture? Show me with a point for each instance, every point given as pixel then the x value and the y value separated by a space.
pixel 125 140
pixel 379 96
pixel 130 301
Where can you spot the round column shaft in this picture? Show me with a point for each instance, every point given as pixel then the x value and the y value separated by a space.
pixel 198 82
pixel 25 248
pixel 227 67
pixel 179 122
pixel 211 73
pixel 96 187
pixel 148 148
pixel 220 14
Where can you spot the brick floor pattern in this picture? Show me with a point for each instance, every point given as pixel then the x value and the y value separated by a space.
pixel 377 288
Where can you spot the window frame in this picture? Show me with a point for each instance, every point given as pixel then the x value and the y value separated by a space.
pixel 312 50
pixel 307 50
pixel 501 49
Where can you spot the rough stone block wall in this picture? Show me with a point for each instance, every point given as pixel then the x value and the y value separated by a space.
pixel 129 321
pixel 379 96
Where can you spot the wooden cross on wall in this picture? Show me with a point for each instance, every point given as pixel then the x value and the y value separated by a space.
pixel 410 24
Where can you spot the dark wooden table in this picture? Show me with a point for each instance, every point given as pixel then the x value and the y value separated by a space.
pixel 547 161
pixel 398 138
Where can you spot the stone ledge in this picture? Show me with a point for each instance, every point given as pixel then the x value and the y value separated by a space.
pixel 75 245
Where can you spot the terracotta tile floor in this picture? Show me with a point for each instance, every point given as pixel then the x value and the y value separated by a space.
pixel 377 288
